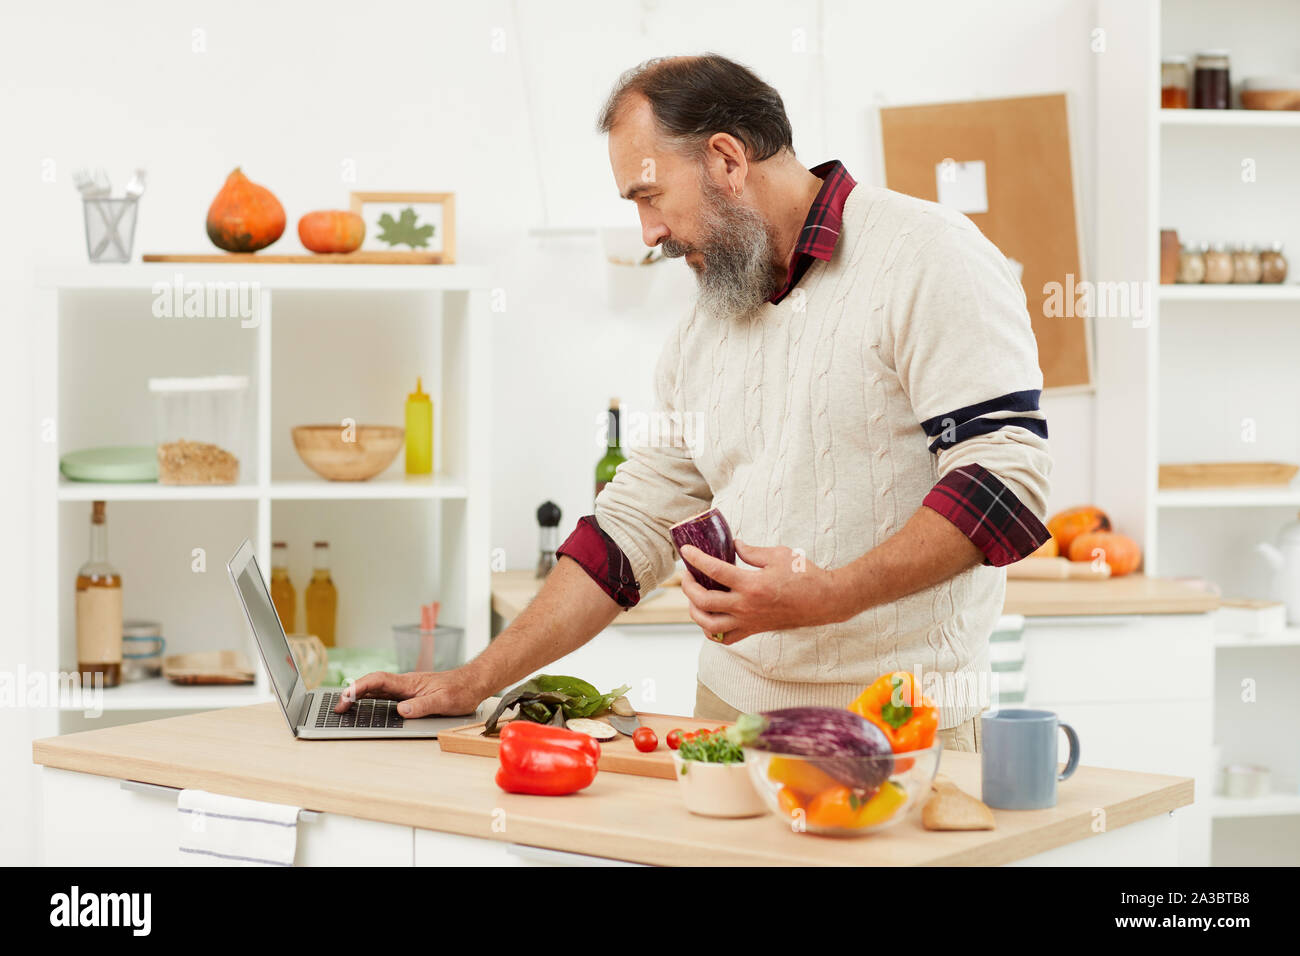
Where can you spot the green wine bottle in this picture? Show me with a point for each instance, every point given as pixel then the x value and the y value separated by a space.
pixel 606 467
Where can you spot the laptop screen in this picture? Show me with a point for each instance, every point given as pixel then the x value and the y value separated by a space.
pixel 268 630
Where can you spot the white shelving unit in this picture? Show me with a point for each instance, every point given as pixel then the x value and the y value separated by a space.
pixel 1273 805
pixel 326 342
pixel 1207 373
pixel 1230 119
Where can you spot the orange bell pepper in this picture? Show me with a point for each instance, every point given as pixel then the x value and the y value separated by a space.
pixel 789 802
pixel 844 809
pixel 896 705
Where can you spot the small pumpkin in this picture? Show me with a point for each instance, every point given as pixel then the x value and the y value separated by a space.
pixel 244 217
pixel 1117 550
pixel 332 230
pixel 1067 525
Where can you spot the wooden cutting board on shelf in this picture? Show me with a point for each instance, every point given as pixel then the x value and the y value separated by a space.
pixel 1226 474
pixel 303 258
pixel 208 667
pixel 616 756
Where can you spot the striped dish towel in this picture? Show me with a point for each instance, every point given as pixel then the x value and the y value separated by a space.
pixel 217 830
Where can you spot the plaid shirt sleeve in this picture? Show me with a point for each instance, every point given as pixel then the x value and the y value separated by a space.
pixel 987 512
pixel 603 560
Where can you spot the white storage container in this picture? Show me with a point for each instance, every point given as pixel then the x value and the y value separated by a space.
pixel 198 424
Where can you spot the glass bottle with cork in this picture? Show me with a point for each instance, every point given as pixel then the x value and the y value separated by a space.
pixel 283 595
pixel 321 597
pixel 613 457
pixel 99 608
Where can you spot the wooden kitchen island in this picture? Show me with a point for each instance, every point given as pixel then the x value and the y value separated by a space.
pixel 110 798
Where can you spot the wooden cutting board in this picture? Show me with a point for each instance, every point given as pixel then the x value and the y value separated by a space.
pixel 303 258
pixel 1226 474
pixel 616 756
pixel 208 667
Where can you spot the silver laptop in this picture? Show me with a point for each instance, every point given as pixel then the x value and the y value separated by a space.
pixel 310 713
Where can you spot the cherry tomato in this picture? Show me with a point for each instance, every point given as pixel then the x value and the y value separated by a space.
pixel 674 739
pixel 645 739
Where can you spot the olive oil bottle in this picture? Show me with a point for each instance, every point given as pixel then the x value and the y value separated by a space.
pixel 321 597
pixel 283 595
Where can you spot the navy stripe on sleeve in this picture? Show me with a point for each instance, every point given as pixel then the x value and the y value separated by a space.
pixel 963 423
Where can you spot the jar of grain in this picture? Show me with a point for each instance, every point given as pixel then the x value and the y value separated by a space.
pixel 199 428
pixel 1218 264
pixel 1191 264
pixel 1245 265
pixel 1272 264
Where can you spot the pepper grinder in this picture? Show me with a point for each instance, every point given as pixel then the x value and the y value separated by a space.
pixel 548 522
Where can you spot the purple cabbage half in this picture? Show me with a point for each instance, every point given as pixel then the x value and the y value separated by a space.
pixel 834 740
pixel 708 532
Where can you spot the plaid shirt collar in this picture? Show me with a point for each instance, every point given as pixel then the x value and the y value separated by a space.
pixel 821 229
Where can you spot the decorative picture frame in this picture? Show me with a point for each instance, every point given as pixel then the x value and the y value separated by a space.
pixel 408 224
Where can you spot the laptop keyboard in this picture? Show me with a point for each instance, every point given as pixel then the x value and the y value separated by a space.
pixel 375 714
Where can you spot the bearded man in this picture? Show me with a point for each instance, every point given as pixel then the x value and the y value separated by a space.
pixel 867 378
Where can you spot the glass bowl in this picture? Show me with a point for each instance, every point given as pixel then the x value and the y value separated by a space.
pixel 809 793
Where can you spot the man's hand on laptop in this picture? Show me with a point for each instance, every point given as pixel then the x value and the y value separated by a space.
pixel 423 693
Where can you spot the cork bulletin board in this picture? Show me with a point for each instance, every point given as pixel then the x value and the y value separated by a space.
pixel 1013 156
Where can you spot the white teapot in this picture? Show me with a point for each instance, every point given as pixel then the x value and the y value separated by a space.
pixel 1284 558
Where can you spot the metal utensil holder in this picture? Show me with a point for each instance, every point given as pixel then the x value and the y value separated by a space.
pixel 110 229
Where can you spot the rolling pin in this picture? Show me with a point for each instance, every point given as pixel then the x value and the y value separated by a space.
pixel 1057 569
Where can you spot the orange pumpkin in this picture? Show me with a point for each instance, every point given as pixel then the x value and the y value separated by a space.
pixel 1118 550
pixel 244 217
pixel 332 231
pixel 1048 549
pixel 1067 525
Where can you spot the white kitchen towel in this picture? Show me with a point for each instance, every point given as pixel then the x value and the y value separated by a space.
pixel 216 830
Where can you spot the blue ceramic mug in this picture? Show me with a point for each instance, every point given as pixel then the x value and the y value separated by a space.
pixel 1018 758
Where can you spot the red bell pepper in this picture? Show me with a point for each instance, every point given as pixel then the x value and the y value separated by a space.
pixel 548 761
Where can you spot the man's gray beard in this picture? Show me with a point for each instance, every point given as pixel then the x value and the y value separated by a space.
pixel 737 250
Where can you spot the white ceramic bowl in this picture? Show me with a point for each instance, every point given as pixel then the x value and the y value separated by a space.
pixel 718 789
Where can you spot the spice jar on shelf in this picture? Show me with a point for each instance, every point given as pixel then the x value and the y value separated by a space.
pixel 1218 264
pixel 1245 265
pixel 1191 264
pixel 1211 85
pixel 1272 265
pixel 198 426
pixel 1175 78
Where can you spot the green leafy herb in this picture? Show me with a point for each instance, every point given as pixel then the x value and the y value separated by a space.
pixel 710 747
pixel 551 698
pixel 403 231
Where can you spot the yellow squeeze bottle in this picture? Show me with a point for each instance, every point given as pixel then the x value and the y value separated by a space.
pixel 419 431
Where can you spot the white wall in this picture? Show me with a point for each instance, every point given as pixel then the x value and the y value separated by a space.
pixel 495 101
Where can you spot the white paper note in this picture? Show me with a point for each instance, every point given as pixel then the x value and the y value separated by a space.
pixel 961 185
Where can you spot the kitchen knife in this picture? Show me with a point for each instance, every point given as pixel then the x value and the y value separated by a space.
pixel 624 725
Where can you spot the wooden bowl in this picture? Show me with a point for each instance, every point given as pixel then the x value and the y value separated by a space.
pixel 1270 99
pixel 323 450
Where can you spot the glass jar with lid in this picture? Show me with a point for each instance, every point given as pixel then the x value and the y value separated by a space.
pixel 1272 264
pixel 1191 264
pixel 1175 80
pixel 1245 265
pixel 1212 86
pixel 1218 264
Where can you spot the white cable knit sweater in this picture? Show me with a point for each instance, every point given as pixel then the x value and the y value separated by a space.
pixel 810 412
